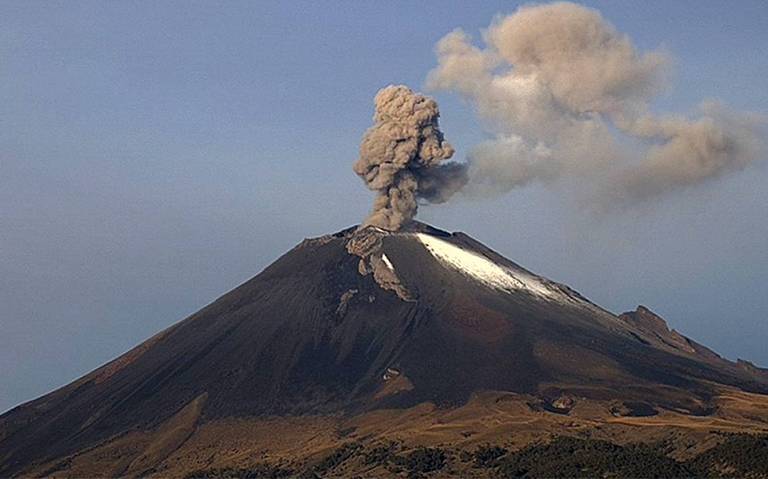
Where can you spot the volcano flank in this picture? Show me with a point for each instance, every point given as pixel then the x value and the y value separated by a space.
pixel 420 336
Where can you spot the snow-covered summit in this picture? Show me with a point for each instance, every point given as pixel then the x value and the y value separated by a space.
pixel 486 271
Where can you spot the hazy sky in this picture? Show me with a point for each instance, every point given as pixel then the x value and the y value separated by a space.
pixel 154 156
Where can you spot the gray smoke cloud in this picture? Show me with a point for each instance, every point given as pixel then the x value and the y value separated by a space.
pixel 565 95
pixel 402 158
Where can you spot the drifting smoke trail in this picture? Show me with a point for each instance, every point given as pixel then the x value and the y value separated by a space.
pixel 567 96
pixel 402 155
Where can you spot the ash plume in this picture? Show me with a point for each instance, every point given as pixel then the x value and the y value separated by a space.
pixel 567 97
pixel 402 158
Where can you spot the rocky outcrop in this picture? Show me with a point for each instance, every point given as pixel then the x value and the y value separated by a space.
pixel 751 368
pixel 367 243
pixel 655 326
pixel 341 309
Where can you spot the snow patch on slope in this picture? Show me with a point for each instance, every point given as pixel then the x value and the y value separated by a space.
pixel 486 271
pixel 387 262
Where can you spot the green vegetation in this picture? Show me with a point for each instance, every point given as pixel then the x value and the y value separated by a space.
pixel 337 457
pixel 569 457
pixel 259 471
pixel 422 460
pixel 739 455
pixel 381 454
pixel 488 456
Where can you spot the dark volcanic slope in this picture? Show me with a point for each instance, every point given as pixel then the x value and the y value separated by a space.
pixel 438 312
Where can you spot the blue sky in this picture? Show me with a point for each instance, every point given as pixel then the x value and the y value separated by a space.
pixel 153 156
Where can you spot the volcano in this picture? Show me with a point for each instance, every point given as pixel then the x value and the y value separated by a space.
pixel 369 334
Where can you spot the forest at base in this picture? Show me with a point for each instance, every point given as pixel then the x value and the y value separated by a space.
pixel 738 455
